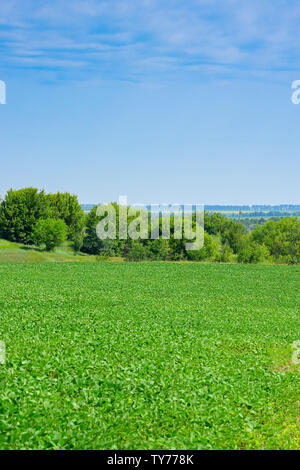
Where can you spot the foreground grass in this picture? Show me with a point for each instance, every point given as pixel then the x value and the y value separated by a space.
pixel 148 355
pixel 11 252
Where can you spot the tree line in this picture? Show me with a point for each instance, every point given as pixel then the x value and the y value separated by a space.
pixel 32 217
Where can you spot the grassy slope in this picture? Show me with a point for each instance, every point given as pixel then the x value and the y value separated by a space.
pixel 149 355
pixel 15 252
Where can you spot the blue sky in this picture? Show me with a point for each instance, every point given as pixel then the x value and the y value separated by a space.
pixel 164 101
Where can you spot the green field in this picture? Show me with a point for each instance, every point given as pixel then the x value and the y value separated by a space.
pixel 149 356
pixel 11 252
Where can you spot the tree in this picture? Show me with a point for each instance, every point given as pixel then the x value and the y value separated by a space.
pixel 233 233
pixel 159 249
pixel 226 255
pixel 254 253
pixel 77 240
pixel 65 206
pixel 281 237
pixel 92 244
pixel 209 251
pixel 214 223
pixel 50 232
pixel 20 211
pixel 136 251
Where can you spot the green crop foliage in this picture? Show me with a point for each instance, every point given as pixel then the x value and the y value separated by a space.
pixel 148 356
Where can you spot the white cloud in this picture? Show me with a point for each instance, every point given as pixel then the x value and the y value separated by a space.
pixel 36 61
pixel 154 34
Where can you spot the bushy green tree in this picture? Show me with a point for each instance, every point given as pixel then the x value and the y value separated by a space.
pixel 91 243
pixel 177 249
pixel 234 234
pixel 50 232
pixel 226 254
pixel 77 240
pixel 281 237
pixel 159 249
pixel 19 212
pixel 65 206
pixel 214 223
pixel 209 251
pixel 136 251
pixel 94 245
pixel 254 253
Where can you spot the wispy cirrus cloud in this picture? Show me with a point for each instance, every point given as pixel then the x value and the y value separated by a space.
pixel 132 39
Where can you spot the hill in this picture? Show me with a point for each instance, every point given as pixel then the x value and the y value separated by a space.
pixel 16 252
